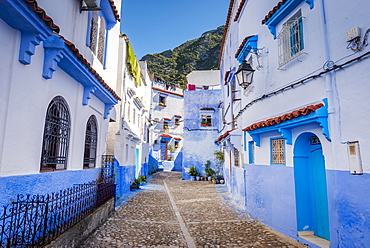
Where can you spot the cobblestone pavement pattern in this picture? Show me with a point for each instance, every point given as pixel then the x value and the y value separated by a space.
pixel 176 213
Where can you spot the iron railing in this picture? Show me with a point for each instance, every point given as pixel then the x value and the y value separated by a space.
pixel 36 220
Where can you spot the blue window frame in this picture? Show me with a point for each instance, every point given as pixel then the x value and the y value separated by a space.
pixel 277 151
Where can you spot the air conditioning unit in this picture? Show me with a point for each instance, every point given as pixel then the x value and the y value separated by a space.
pixel 90 5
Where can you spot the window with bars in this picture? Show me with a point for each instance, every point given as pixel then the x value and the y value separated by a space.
pixel 94 32
pixel 101 44
pixel 56 136
pixel 236 157
pixel 290 39
pixel 91 139
pixel 278 151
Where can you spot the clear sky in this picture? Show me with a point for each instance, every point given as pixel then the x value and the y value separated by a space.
pixel 154 26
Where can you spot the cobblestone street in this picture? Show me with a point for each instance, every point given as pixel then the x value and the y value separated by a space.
pixel 176 213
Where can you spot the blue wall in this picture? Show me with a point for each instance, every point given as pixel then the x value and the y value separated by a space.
pixel 43 183
pixel 199 141
pixel 125 175
pixel 269 195
pixel 349 209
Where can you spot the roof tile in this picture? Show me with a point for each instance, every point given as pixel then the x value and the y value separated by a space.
pixel 32 4
pixel 288 116
pixel 273 11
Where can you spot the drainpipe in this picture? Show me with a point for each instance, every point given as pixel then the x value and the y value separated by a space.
pixel 331 89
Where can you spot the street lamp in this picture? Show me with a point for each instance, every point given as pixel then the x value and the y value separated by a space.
pixel 244 74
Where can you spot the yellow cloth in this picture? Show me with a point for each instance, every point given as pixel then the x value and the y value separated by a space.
pixel 133 65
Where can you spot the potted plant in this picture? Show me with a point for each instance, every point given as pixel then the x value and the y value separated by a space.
pixel 220 179
pixel 205 124
pixel 193 173
pixel 209 171
pixel 197 176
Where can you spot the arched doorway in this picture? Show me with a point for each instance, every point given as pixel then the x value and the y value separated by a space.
pixel 310 186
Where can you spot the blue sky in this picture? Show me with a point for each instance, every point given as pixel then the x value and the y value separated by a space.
pixel 154 26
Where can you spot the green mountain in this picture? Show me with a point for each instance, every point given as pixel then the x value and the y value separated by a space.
pixel 199 54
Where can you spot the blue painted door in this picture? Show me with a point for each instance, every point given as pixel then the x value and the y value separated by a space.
pixel 163 150
pixel 320 200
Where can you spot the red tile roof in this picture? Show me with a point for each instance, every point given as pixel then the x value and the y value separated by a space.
pixel 273 11
pixel 277 120
pixel 167 91
pixel 79 56
pixel 167 119
pixel 178 138
pixel 115 11
pixel 49 22
pixel 165 135
pixel 242 45
pixel 239 10
pixel 224 135
pixel 226 30
pixel 32 4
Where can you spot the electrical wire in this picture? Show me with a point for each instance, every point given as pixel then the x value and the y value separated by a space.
pixel 302 81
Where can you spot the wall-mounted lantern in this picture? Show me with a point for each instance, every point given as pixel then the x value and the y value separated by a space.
pixel 244 74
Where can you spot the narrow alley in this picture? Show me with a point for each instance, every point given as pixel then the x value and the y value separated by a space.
pixel 170 212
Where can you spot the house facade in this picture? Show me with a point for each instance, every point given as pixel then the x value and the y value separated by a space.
pixel 296 139
pixel 202 103
pixel 57 93
pixel 167 122
pixel 128 136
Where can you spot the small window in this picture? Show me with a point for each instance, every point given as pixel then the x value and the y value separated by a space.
pixel 177 121
pixel 177 144
pixel 206 120
pixel 91 139
pixel 236 157
pixel 290 39
pixel 133 116
pixel 162 101
pixel 56 136
pixel 278 151
pixel 128 111
pixel 165 125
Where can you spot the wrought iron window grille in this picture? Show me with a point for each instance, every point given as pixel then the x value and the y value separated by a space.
pixel 91 139
pixel 290 39
pixel 56 136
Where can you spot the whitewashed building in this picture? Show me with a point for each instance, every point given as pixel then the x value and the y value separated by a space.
pixel 128 136
pixel 57 87
pixel 296 139
pixel 166 131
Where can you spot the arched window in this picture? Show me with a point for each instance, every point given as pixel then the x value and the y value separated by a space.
pixel 91 139
pixel 56 136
